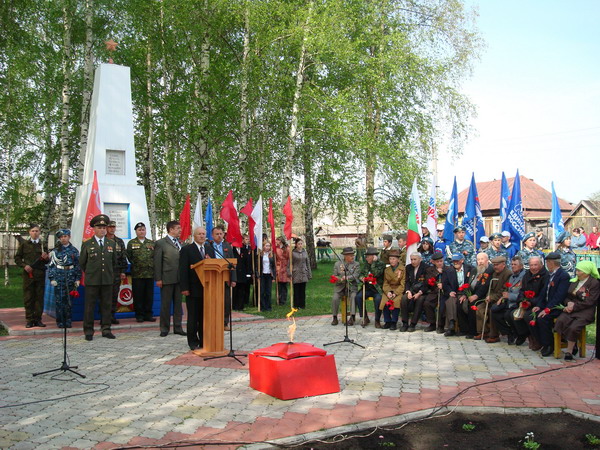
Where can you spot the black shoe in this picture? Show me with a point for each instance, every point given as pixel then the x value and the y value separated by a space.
pixel 469 336
pixel 393 326
pixel 440 331
pixel 575 350
pixel 114 321
pixel 511 339
pixel 430 328
pixel 151 319
pixel 568 356
pixel 334 321
pixel 163 333
pixel 520 340
pixel 547 351
pixel 89 337
pixel 39 323
pixel 404 328
pixel 29 325
pixel 194 347
pixel 180 333
pixel 108 335
pixel 139 319
pixel 449 332
pixel 411 328
pixel 387 325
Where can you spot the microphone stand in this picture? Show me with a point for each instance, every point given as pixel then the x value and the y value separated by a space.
pixel 231 353
pixel 347 292
pixel 65 364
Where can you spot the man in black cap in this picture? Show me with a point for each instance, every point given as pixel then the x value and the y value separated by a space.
pixel 347 274
pixel 120 268
pixel 140 252
pixel 32 258
pixel 545 310
pixel 455 281
pixel 374 267
pixel 432 293
pixel 97 259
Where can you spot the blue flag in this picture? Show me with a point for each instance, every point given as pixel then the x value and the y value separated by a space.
pixel 556 219
pixel 473 219
pixel 514 217
pixel 452 215
pixel 208 220
pixel 504 200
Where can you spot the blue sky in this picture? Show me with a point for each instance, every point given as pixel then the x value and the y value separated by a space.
pixel 537 92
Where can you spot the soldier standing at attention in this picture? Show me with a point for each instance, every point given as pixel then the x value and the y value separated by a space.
pixel 529 249
pixel 98 259
pixel 462 246
pixel 120 268
pixel 496 249
pixel 140 253
pixel 32 258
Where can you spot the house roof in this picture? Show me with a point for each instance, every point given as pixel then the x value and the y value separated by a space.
pixel 592 206
pixel 533 196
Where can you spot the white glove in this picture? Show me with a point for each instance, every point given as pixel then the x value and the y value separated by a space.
pixel 54 283
pixel 77 283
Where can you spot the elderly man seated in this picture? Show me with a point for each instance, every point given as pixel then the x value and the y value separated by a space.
pixel 454 282
pixel 501 316
pixel 478 290
pixel 414 288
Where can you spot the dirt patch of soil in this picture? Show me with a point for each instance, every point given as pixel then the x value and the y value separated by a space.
pixel 488 431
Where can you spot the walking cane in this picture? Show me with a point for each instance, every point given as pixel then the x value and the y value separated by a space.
pixel 486 309
pixel 439 310
pixel 364 307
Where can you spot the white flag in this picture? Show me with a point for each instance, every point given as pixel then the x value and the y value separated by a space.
pixel 257 216
pixel 432 212
pixel 198 213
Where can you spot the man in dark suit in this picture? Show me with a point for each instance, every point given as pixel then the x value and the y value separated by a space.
pixel 166 275
pixel 553 293
pixel 480 286
pixel 241 293
pixel 223 250
pixel 97 259
pixel 414 287
pixel 454 294
pixel 191 286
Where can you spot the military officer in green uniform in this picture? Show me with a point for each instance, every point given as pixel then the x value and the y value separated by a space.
pixel 462 246
pixel 119 270
pixel 32 257
pixel 496 248
pixel 140 252
pixel 98 259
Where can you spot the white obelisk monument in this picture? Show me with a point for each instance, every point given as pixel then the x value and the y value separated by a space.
pixel 111 153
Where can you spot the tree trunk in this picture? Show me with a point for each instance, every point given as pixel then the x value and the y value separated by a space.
pixel 64 125
pixel 88 75
pixel 243 149
pixel 309 235
pixel 293 133
pixel 150 182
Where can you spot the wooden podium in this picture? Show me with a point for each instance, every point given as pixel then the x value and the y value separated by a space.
pixel 213 273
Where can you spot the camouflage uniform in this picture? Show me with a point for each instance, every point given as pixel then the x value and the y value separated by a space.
pixel 141 257
pixel 465 248
pixel 525 254
pixel 568 259
pixel 120 267
pixel 492 253
pixel 29 254
pixel 426 257
pixel 64 269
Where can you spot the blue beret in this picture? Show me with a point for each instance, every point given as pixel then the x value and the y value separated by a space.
pixel 457 257
pixel 428 240
pixel 459 228
pixel 63 232
pixel 495 236
pixel 528 236
pixel 562 236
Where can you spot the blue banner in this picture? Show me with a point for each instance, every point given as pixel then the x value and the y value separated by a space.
pixel 452 215
pixel 556 219
pixel 473 219
pixel 504 200
pixel 208 220
pixel 514 217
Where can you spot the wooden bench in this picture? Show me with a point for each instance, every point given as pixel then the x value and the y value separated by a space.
pixel 559 344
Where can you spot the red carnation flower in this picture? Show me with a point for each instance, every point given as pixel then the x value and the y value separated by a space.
pixel 525 304
pixel 390 304
pixel 431 281
pixel 333 279
pixel 547 310
pixel 507 285
pixel 463 287
pixel 529 294
pixel 474 308
pixel 74 293
pixel 532 323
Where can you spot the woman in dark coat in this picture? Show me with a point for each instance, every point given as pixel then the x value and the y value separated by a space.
pixel 581 305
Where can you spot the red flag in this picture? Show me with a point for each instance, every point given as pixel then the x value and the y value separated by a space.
pixel 248 211
pixel 93 209
pixel 289 218
pixel 185 219
pixel 230 215
pixel 271 221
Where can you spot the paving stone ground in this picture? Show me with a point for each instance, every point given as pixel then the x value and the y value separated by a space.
pixel 153 391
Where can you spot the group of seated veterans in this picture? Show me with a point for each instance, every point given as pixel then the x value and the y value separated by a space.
pixel 497 298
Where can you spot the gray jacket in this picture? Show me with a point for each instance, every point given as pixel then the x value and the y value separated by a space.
pixel 166 261
pixel 301 272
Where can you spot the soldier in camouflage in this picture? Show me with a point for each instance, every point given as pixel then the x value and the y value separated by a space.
pixel 529 249
pixel 426 250
pixel 568 259
pixel 462 246
pixel 32 258
pixel 496 248
pixel 140 252
pixel 64 274
pixel 119 269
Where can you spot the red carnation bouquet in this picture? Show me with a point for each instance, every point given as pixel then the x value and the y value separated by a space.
pixel 370 279
pixel 507 285
pixel 390 304
pixel 529 294
pixel 333 279
pixel 474 307
pixel 74 293
pixel 431 281
pixel 465 289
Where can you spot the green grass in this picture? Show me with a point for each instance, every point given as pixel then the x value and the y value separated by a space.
pixel 11 296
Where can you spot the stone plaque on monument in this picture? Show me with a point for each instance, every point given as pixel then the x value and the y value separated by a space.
pixel 119 212
pixel 115 162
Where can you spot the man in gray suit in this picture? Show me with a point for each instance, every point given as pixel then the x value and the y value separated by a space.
pixel 166 275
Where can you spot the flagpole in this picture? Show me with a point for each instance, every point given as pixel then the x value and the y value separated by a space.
pixel 291 278
pixel 276 274
pixel 252 253
pixel 259 277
